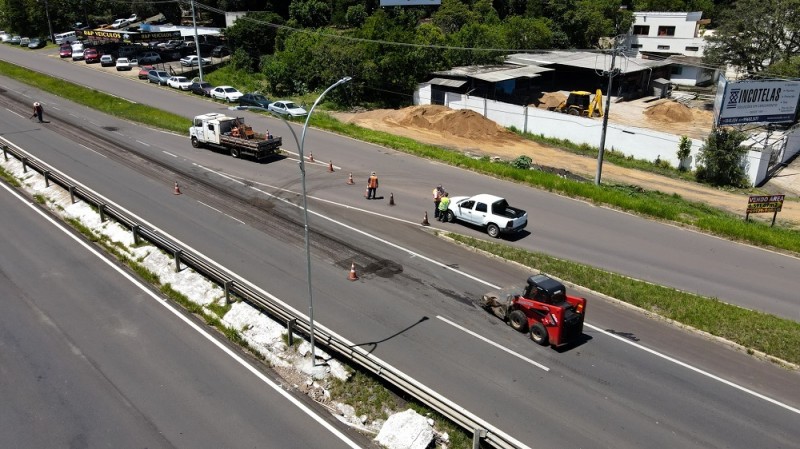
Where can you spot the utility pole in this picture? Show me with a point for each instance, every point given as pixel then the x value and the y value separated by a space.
pixel 611 73
pixel 49 25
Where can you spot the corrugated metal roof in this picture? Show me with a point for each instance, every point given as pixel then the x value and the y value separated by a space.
pixel 447 82
pixel 530 71
pixel 585 60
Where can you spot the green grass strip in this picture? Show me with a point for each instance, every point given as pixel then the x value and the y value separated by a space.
pixel 759 331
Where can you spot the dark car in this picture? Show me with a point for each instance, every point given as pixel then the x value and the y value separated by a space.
pixel 201 88
pixel 256 100
pixel 37 43
pixel 220 51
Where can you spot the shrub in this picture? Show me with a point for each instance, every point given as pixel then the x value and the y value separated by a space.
pixel 522 162
pixel 684 149
pixel 721 158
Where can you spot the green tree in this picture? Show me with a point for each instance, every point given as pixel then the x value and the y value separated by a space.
pixel 720 159
pixel 525 33
pixel 755 34
pixel 310 13
pixel 684 150
pixel 356 16
pixel 254 34
pixel 452 15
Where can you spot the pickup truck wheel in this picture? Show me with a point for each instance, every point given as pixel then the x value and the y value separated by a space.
pixel 518 321
pixel 539 334
pixel 195 142
pixel 493 230
pixel 450 217
pixel 235 152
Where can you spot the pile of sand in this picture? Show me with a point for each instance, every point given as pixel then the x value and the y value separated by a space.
pixel 670 112
pixel 550 100
pixel 463 123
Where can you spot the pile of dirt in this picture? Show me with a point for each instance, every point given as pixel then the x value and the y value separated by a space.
pixel 550 100
pixel 463 123
pixel 670 112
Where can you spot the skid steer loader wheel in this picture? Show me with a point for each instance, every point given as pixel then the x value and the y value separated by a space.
pixel 518 321
pixel 539 334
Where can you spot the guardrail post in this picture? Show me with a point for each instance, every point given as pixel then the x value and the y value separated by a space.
pixel 290 324
pixel 102 208
pixel 5 152
pixel 72 194
pixel 24 165
pixel 477 434
pixel 135 232
pixel 227 285
pixel 47 178
pixel 177 254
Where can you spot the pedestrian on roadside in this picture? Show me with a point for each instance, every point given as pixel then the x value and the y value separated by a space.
pixel 437 198
pixel 444 204
pixel 38 111
pixel 372 186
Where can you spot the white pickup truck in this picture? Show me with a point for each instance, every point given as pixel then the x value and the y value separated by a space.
pixel 489 211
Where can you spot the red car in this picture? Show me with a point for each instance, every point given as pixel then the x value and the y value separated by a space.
pixel 65 51
pixel 144 71
pixel 91 55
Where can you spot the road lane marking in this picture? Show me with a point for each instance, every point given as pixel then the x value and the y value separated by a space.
pixel 695 369
pixel 167 153
pixel 160 300
pixel 480 337
pixel 223 213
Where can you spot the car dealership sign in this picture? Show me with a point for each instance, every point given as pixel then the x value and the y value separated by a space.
pixel 753 102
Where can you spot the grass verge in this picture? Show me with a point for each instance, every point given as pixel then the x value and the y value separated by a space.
pixel 774 336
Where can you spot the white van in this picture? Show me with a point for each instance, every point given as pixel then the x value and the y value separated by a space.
pixel 77 46
pixel 63 38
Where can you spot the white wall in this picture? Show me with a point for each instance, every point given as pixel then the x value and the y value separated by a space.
pixel 685 24
pixel 640 143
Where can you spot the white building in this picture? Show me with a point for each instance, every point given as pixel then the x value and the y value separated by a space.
pixel 660 35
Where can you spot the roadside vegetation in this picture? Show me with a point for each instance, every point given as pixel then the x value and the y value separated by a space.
pixel 757 331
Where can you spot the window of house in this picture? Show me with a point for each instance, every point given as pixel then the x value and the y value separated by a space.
pixel 636 45
pixel 692 48
pixel 677 70
pixel 666 31
pixel 641 30
pixel 663 47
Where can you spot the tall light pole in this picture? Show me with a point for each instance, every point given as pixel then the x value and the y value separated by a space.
pixel 197 45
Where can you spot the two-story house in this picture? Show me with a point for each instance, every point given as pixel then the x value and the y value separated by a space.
pixel 662 35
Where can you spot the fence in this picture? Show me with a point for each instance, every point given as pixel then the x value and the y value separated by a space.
pixel 272 306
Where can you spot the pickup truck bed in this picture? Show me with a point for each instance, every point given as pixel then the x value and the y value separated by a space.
pixel 256 148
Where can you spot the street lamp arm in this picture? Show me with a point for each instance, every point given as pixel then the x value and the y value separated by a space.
pixel 308 117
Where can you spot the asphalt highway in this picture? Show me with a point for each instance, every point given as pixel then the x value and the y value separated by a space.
pixel 91 358
pixel 633 382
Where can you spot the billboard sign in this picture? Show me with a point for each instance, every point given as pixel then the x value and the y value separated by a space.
pixel 411 2
pixel 754 102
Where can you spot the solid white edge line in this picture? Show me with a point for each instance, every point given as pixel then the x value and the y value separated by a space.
pixel 480 337
pixel 186 320
pixel 695 369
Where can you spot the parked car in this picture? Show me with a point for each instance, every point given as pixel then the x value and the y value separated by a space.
pixel 220 51
pixel 254 99
pixel 77 53
pixel 106 60
pixel 14 40
pixel 193 60
pixel 201 88
pixel 119 23
pixel 125 64
pixel 144 71
pixel 37 43
pixel 289 108
pixel 24 41
pixel 174 45
pixel 491 212
pixel 91 55
pixel 65 51
pixel 150 57
pixel 225 93
pixel 158 77
pixel 179 82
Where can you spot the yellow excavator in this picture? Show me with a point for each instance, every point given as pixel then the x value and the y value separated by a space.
pixel 581 103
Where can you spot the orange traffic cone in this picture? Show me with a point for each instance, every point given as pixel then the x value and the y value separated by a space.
pixel 177 189
pixel 350 179
pixel 330 166
pixel 352 276
pixel 310 157
pixel 391 200
pixel 425 220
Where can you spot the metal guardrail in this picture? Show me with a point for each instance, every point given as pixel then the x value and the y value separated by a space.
pixel 481 430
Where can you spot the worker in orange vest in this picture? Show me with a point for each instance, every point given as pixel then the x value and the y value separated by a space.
pixel 372 186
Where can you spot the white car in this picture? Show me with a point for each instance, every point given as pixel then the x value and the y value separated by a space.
pixel 192 60
pixel 226 93
pixel 289 108
pixel 119 23
pixel 179 82
pixel 125 64
pixel 77 55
